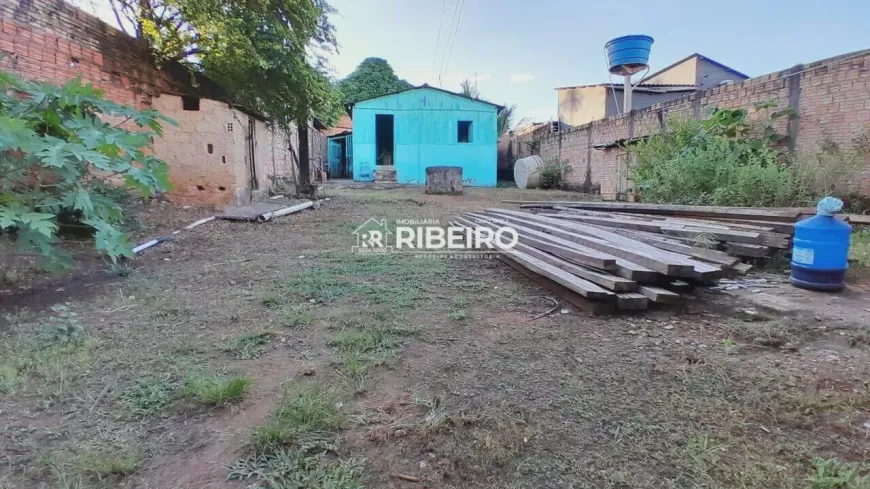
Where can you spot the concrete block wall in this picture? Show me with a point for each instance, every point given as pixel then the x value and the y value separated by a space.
pixel 830 100
pixel 52 41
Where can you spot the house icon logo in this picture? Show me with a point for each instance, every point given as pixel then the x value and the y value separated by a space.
pixel 373 236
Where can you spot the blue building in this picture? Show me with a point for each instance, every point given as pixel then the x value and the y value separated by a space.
pixel 397 136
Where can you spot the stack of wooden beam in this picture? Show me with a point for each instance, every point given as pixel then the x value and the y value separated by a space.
pixel 606 258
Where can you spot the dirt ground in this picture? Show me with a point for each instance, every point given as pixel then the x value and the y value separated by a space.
pixel 268 355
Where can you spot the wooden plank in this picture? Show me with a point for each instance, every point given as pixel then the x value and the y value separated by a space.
pixel 706 254
pixel 605 280
pixel 632 301
pixel 744 249
pixel 658 294
pixel 592 307
pixel 783 214
pixel 679 287
pixel 858 218
pixel 624 268
pixel 776 227
pixel 678 265
pixel 652 260
pixel 742 268
pixel 579 253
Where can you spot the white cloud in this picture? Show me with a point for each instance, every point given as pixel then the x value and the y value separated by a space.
pixel 521 78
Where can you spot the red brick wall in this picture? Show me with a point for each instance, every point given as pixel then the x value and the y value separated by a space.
pixel 50 40
pixel 831 99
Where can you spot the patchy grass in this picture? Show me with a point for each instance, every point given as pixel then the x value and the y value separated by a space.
pixel 836 474
pixel 101 464
pixel 490 437
pixel 247 346
pixel 10 379
pixel 217 388
pixel 294 316
pixel 306 414
pixel 284 469
pixel 148 395
pixel 773 333
pixel 859 251
pixel 370 338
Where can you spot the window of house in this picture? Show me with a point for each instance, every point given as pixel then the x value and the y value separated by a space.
pixel 189 103
pixel 463 132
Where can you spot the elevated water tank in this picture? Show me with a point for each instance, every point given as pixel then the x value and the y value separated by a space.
pixel 821 248
pixel 628 55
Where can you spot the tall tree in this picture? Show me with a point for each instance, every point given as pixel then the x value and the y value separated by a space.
pixel 372 78
pixel 269 54
pixel 505 115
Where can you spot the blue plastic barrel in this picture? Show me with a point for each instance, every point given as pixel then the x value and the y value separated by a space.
pixel 820 252
pixel 627 55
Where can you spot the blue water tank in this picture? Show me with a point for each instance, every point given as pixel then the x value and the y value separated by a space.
pixel 820 252
pixel 628 55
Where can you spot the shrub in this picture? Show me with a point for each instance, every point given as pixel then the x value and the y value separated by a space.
pixel 730 161
pixel 551 173
pixel 56 156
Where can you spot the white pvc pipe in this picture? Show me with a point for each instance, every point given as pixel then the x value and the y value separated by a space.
pixel 283 212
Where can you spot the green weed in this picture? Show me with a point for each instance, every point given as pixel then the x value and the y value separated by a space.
pixel 105 463
pixel 148 396
pixel 294 316
pixel 10 379
pixel 283 469
pixel 459 315
pixel 304 415
pixel 247 346
pixel 216 388
pixel 859 251
pixel 369 341
pixel 835 474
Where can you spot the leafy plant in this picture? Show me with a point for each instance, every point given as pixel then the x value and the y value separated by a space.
pixel 55 150
pixel 551 173
pixel 731 160
pixel 372 78
pixel 64 325
pixel 270 54
pixel 148 396
pixel 216 388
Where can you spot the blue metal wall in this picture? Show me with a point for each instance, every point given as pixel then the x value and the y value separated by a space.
pixel 426 135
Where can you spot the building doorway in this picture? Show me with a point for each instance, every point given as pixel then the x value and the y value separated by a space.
pixel 385 139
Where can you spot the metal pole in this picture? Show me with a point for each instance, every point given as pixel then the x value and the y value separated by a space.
pixel 626 100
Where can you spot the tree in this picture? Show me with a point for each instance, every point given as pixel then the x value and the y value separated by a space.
pixel 505 115
pixel 372 78
pixel 268 54
pixel 469 90
pixel 506 119
pixel 57 158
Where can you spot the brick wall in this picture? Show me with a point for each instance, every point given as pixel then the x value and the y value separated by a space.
pixel 52 41
pixel 830 98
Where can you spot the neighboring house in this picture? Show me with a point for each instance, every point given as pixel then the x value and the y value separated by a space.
pixel 397 136
pixel 582 104
pixel 218 153
pixel 344 125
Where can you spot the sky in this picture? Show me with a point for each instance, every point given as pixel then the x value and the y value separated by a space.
pixel 519 51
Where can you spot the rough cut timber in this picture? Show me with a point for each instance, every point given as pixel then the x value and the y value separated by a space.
pixel 605 280
pixel 788 214
pixel 592 307
pixel 658 294
pixel 577 253
pixel 624 268
pixel 649 260
pixel 745 249
pixel 663 261
pixel 632 301
pixel 706 254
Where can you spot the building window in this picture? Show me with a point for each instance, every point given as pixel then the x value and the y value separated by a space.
pixel 189 103
pixel 463 132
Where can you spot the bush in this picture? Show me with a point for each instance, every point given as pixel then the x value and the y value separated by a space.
pixel 56 156
pixel 551 173
pixel 729 161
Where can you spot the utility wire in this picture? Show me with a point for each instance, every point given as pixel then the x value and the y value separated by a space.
pixel 454 28
pixel 438 41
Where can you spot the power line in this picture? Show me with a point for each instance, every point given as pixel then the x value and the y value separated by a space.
pixel 455 32
pixel 440 25
pixel 450 35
